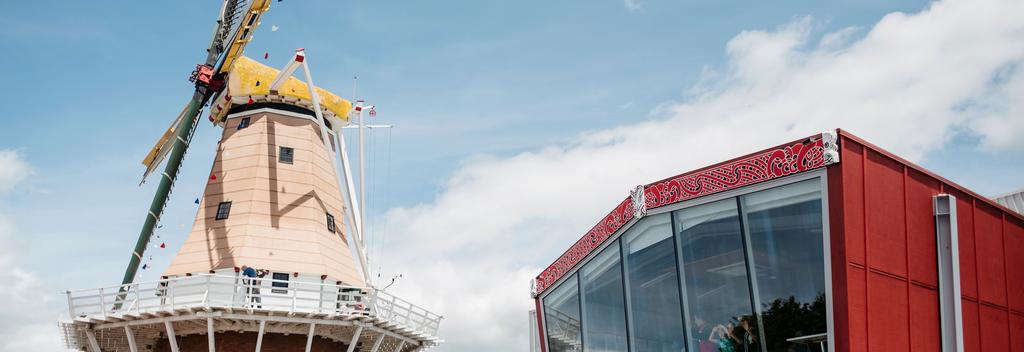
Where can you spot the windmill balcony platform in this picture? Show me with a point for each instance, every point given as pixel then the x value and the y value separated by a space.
pixel 146 315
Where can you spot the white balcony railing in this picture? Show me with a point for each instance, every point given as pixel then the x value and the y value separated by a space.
pixel 231 292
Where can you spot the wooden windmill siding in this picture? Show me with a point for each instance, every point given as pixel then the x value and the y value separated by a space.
pixel 278 216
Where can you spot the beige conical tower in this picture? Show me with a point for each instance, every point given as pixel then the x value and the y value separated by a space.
pixel 271 202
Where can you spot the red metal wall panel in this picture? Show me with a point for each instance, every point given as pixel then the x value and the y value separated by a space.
pixel 887 297
pixel 857 311
pixel 884 214
pixel 995 332
pixel 889 280
pixel 924 318
pixel 1013 238
pixel 852 166
pixel 1016 335
pixel 988 241
pixel 921 251
pixel 972 336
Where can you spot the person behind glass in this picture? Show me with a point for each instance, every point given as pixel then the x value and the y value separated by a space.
pixel 249 280
pixel 740 337
pixel 705 340
pixel 744 334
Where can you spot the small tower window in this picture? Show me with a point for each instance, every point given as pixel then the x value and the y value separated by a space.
pixel 280 281
pixel 286 155
pixel 223 210
pixel 244 123
pixel 330 223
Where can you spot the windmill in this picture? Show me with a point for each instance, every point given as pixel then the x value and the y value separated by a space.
pixel 265 263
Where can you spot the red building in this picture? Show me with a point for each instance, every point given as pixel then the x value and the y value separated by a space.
pixel 824 243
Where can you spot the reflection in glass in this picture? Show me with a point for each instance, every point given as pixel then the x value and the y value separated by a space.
pixel 657 323
pixel 784 226
pixel 604 307
pixel 717 295
pixel 562 318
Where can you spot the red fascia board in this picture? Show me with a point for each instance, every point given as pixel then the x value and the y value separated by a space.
pixel 801 155
pixel 843 134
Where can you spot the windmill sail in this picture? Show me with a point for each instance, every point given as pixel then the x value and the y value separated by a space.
pixel 163 146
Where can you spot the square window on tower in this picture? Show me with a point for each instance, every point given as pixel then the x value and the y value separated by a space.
pixel 330 223
pixel 286 155
pixel 244 123
pixel 223 210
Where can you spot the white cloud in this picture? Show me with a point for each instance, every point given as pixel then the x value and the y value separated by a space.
pixel 906 83
pixel 633 5
pixel 28 319
pixel 13 170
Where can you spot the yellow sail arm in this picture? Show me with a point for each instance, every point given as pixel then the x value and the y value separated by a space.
pixel 244 34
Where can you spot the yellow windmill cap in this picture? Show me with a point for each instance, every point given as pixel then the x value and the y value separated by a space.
pixel 250 80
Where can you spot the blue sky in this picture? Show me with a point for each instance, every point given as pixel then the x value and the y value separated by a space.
pixel 470 85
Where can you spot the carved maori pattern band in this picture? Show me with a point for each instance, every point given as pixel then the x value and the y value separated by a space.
pixel 785 160
pixel 775 163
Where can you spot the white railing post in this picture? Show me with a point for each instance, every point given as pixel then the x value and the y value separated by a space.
pixel 234 292
pixel 170 292
pixel 408 314
pixel 391 307
pixel 373 302
pixel 320 303
pixel 294 299
pixel 103 303
pixel 206 293
pixel 138 301
pixel 71 305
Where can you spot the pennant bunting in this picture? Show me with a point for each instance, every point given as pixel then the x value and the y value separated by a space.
pixel 163 245
pixel 266 56
pixel 197 200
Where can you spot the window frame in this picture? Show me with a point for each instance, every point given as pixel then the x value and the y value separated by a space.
pixel 820 174
pixel 279 287
pixel 331 225
pixel 281 155
pixel 244 123
pixel 227 211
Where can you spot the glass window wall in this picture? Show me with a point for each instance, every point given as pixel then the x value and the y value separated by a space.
pixel 784 230
pixel 604 304
pixel 562 318
pixel 717 292
pixel 740 274
pixel 656 315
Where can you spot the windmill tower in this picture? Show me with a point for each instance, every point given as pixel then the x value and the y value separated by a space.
pixel 267 264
